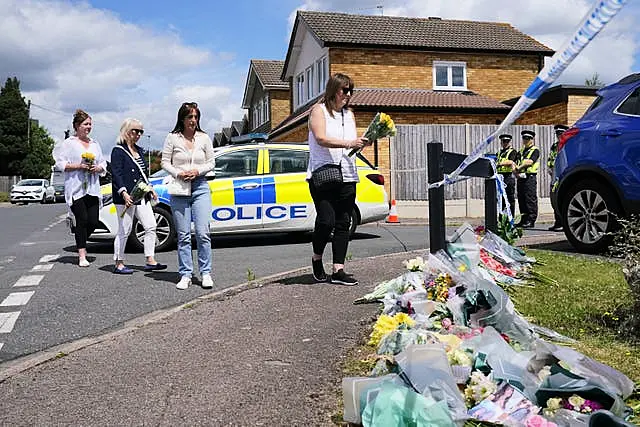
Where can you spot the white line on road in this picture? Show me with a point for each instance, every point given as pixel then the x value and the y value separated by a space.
pixel 49 258
pixel 7 321
pixel 17 298
pixel 1 344
pixel 42 267
pixel 33 280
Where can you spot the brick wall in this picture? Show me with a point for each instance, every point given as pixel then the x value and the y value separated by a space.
pixel 578 104
pixel 280 107
pixel 497 76
pixel 549 115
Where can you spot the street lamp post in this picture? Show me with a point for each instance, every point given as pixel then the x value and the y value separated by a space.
pixel 149 151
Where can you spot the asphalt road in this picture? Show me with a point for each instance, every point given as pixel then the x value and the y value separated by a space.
pixel 60 302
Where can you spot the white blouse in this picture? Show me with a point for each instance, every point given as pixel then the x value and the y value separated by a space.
pixel 337 127
pixel 70 151
pixel 176 157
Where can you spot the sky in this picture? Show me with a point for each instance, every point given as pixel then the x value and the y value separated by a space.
pixel 143 58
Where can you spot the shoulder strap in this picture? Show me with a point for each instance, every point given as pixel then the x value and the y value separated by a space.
pixel 144 176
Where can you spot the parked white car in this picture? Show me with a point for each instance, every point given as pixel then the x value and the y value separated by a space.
pixel 32 190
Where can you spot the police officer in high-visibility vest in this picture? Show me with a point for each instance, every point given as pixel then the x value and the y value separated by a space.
pixel 551 162
pixel 527 172
pixel 506 163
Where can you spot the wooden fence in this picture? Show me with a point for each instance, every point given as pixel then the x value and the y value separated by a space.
pixel 409 157
pixel 6 182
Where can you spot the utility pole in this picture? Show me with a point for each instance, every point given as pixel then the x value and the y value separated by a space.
pixel 149 151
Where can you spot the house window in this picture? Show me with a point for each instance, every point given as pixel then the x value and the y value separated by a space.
pixel 265 108
pixel 259 113
pixel 256 120
pixel 309 87
pixel 449 75
pixel 322 71
pixel 300 89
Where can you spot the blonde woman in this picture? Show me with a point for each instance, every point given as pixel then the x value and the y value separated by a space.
pixel 81 159
pixel 188 155
pixel 128 166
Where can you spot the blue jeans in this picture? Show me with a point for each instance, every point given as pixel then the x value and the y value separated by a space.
pixel 196 207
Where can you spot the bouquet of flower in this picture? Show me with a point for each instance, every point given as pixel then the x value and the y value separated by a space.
pixel 381 126
pixel 139 191
pixel 573 403
pixel 89 159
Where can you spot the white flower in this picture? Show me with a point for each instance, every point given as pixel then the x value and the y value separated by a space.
pixel 576 401
pixel 415 264
pixel 553 404
pixel 544 373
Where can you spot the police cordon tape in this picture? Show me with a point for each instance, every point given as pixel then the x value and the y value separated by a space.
pixel 601 13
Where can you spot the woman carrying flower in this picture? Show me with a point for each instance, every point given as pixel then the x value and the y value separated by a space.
pixel 128 166
pixel 332 133
pixel 81 159
pixel 188 155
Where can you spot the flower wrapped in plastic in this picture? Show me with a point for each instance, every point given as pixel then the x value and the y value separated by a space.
pixel 87 158
pixel 139 192
pixel 380 127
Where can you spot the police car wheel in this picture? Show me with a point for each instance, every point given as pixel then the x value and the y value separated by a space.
pixel 165 231
pixel 588 216
pixel 353 222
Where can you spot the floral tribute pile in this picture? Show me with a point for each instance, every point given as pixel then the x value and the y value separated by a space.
pixel 451 349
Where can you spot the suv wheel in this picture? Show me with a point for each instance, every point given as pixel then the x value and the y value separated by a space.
pixel 165 231
pixel 588 216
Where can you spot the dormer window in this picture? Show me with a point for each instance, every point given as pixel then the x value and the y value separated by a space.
pixel 449 75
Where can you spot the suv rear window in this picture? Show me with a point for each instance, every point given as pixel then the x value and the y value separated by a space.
pixel 630 105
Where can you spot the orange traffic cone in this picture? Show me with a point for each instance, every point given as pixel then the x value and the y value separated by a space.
pixel 393 213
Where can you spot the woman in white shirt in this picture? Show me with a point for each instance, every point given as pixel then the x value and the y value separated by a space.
pixel 332 134
pixel 188 155
pixel 81 159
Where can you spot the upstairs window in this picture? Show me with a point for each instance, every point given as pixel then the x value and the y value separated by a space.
pixel 300 89
pixel 449 75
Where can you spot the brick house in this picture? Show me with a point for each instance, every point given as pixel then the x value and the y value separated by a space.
pixel 419 70
pixel 266 96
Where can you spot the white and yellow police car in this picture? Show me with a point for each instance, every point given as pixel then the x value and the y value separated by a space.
pixel 256 188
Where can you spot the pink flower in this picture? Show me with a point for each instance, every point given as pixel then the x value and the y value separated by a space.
pixel 539 421
pixel 446 323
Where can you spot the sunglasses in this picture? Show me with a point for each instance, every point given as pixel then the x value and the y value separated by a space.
pixel 138 131
pixel 190 104
pixel 347 90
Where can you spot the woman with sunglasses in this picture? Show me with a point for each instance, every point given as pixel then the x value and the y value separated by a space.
pixel 128 166
pixel 81 159
pixel 332 134
pixel 188 155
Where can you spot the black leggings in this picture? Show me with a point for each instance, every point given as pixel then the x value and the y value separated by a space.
pixel 333 212
pixel 85 209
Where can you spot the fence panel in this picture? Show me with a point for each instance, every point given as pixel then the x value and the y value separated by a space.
pixel 409 158
pixel 6 182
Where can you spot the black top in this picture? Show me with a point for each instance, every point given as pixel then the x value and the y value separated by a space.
pixel 125 172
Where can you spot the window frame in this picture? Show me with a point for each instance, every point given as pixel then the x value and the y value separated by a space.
pixel 237 153
pixel 300 89
pixel 287 154
pixel 636 106
pixel 450 65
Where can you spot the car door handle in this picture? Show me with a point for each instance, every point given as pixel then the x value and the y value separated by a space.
pixel 612 132
pixel 249 186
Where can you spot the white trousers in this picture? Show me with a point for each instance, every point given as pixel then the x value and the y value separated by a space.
pixel 144 213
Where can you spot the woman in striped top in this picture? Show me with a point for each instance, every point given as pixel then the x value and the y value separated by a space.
pixel 128 166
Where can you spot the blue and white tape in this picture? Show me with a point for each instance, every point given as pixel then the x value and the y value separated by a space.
pixel 591 25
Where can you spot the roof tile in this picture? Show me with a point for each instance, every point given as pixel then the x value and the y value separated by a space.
pixel 269 72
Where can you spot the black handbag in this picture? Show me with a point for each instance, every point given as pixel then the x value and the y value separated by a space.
pixel 327 176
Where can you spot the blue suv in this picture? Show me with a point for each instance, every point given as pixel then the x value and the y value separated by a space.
pixel 597 171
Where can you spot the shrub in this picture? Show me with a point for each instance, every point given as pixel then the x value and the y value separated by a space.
pixel 4 197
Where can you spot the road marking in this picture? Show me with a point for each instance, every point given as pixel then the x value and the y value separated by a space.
pixel 33 280
pixel 8 260
pixel 17 298
pixel 7 321
pixel 42 267
pixel 49 258
pixel 1 344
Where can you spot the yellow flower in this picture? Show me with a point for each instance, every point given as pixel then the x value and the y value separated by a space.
pixel 88 156
pixel 576 401
pixel 554 403
pixel 386 324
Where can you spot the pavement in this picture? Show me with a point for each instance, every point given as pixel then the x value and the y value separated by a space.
pixel 264 353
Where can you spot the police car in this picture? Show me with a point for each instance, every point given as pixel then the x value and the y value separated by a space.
pixel 256 188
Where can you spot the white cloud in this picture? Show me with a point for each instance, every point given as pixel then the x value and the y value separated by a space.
pixel 70 55
pixel 612 54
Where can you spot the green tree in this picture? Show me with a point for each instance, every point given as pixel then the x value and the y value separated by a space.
pixel 156 159
pixel 13 128
pixel 38 161
pixel 594 81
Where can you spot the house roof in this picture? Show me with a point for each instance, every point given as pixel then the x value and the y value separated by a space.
pixel 366 99
pixel 332 29
pixel 265 73
pixel 269 72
